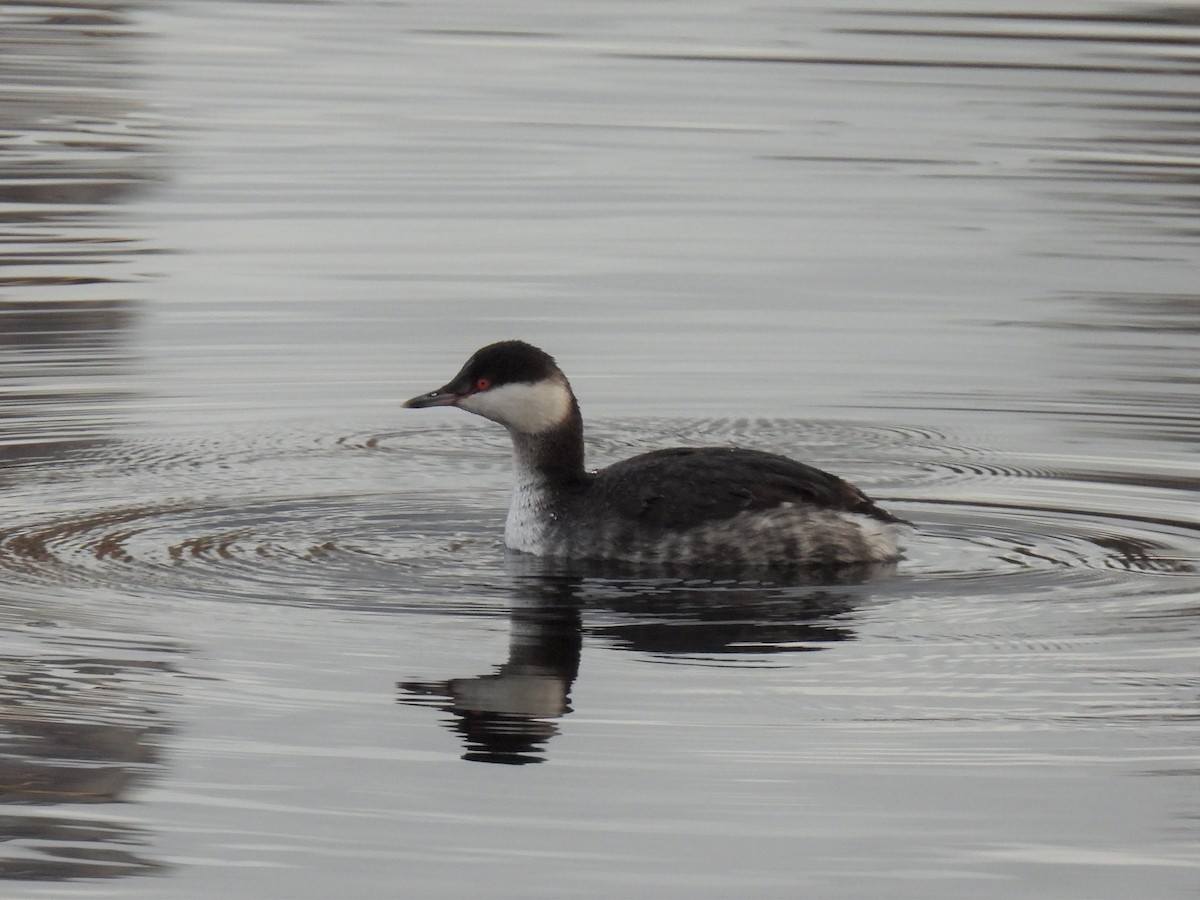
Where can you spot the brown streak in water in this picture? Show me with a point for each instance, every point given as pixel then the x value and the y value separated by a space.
pixel 35 544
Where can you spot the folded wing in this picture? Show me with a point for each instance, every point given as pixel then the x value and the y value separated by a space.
pixel 684 487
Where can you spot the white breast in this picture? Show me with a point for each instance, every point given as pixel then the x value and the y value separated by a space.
pixel 528 524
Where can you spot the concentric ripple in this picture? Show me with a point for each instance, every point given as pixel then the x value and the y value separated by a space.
pixel 970 541
pixel 284 517
pixel 349 550
pixel 370 519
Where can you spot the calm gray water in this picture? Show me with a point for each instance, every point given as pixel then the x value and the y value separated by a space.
pixel 258 634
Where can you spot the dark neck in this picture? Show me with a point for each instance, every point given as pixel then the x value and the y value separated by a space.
pixel 555 456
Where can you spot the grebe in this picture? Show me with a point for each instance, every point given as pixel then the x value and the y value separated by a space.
pixel 708 506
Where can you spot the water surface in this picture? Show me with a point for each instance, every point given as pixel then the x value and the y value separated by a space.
pixel 260 636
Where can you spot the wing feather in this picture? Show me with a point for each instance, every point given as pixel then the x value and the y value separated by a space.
pixel 682 487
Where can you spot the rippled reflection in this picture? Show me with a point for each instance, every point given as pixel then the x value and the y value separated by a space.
pixel 77 728
pixel 80 718
pixel 76 140
pixel 510 715
pixel 67 849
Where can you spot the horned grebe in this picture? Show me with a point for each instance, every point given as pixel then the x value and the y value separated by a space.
pixel 702 506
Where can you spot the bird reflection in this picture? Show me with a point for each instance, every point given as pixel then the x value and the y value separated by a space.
pixel 509 715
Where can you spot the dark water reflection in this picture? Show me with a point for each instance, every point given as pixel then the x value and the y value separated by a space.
pixel 508 716
pixel 82 717
pixel 77 730
pixel 76 140
pixel 950 254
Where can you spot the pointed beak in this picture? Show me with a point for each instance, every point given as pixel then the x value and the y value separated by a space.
pixel 443 396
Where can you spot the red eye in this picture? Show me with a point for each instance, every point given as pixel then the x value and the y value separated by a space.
pixel 482 384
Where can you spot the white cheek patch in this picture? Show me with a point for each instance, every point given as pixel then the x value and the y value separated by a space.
pixel 520 407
